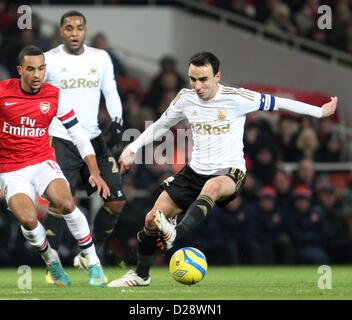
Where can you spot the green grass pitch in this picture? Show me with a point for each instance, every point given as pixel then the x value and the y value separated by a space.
pixel 220 283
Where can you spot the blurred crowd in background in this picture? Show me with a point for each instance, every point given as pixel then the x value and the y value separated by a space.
pixel 298 17
pixel 302 216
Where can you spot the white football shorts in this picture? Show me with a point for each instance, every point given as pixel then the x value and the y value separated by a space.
pixel 31 180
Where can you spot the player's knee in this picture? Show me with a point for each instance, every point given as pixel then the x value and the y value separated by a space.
pixel 115 206
pixel 29 222
pixel 66 206
pixel 149 220
pixel 212 188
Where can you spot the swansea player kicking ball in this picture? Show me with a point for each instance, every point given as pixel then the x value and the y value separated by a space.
pixel 217 171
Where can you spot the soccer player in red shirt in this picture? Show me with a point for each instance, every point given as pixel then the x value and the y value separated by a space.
pixel 28 165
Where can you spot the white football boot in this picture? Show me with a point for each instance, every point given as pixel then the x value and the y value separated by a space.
pixel 167 230
pixel 130 279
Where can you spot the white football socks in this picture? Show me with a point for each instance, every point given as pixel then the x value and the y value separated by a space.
pixel 78 226
pixel 37 238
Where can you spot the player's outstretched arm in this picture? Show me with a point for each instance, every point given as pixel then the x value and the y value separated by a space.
pixel 302 108
pixel 81 140
pixel 160 127
pixel 153 132
pixel 267 102
pixel 126 160
pixel 329 108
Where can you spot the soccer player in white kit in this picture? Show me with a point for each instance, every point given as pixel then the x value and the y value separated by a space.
pixel 217 170
pixel 82 73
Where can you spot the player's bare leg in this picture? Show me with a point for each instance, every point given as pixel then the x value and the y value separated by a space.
pixel 147 238
pixel 59 194
pixel 24 209
pixel 165 204
pixel 218 188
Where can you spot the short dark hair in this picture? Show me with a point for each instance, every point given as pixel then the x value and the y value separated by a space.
pixel 29 51
pixel 72 13
pixel 201 59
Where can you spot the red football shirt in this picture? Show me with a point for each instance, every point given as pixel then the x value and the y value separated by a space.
pixel 24 123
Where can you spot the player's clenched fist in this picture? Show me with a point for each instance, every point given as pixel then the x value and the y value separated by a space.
pixel 126 160
pixel 329 108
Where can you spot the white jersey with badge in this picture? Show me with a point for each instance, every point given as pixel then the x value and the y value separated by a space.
pixel 217 125
pixel 81 78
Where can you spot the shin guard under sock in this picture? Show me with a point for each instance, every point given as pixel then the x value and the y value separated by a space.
pixel 78 225
pixel 195 214
pixel 104 224
pixel 54 225
pixel 38 241
pixel 146 250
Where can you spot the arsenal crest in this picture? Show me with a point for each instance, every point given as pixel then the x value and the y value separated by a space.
pixel 44 106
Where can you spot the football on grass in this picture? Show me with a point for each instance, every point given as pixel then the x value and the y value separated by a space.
pixel 188 265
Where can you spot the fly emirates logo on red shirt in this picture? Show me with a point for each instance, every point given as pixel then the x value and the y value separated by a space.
pixel 26 128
